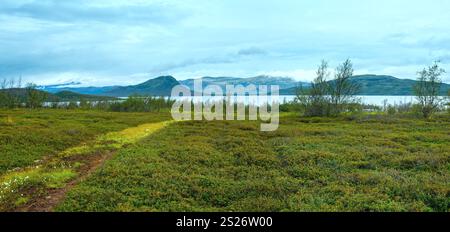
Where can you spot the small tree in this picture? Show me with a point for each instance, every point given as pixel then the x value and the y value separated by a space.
pixel 3 100
pixel 3 94
pixel 12 83
pixel 19 82
pixel 4 83
pixel 10 94
pixel 448 101
pixel 427 89
pixel 35 98
pixel 84 104
pixel 342 88
pixel 72 105
pixel 315 100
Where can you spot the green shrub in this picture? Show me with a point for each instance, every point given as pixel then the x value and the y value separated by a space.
pixel 391 110
pixel 137 103
pixel 72 105
pixel 309 164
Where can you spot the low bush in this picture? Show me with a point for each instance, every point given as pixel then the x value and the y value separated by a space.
pixel 138 103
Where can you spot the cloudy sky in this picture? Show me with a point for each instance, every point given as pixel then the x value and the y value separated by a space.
pixel 102 42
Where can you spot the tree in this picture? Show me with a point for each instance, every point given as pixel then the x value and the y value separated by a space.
pixel 3 97
pixel 35 98
pixel 19 82
pixel 4 83
pixel 427 89
pixel 3 100
pixel 315 100
pixel 448 101
pixel 9 94
pixel 342 88
pixel 329 98
pixel 84 104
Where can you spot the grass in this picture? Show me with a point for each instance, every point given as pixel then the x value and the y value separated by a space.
pixel 367 163
pixel 115 140
pixel 27 136
pixel 15 187
pixel 353 163
pixel 25 187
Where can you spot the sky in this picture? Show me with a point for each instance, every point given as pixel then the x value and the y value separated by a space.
pixel 109 42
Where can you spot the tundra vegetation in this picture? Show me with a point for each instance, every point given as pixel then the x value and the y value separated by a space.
pixel 330 153
pixel 309 164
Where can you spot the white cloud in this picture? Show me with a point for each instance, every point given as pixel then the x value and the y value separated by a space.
pixel 111 40
pixel 86 79
pixel 299 74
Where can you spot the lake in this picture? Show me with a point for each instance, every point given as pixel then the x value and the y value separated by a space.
pixel 369 100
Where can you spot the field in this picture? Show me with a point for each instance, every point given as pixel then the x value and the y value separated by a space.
pixel 145 162
pixel 43 150
pixel 29 135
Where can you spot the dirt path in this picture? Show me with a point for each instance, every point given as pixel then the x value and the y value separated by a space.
pixel 91 163
pixel 55 196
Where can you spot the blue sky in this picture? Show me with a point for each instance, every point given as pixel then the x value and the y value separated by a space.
pixel 102 42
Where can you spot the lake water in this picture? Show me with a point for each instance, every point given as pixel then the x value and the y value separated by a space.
pixel 379 100
pixel 369 100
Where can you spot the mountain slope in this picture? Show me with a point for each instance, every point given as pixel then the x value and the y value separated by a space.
pixel 283 82
pixel 160 86
pixel 381 85
pixel 22 94
pixel 80 90
pixel 72 96
pixel 64 96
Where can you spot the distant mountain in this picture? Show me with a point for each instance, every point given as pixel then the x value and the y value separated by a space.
pixel 72 96
pixel 160 86
pixel 64 96
pixel 283 82
pixel 381 85
pixel 21 94
pixel 81 90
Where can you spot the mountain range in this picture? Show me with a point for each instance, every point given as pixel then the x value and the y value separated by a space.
pixel 283 82
pixel 162 86
pixel 62 96
pixel 381 85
